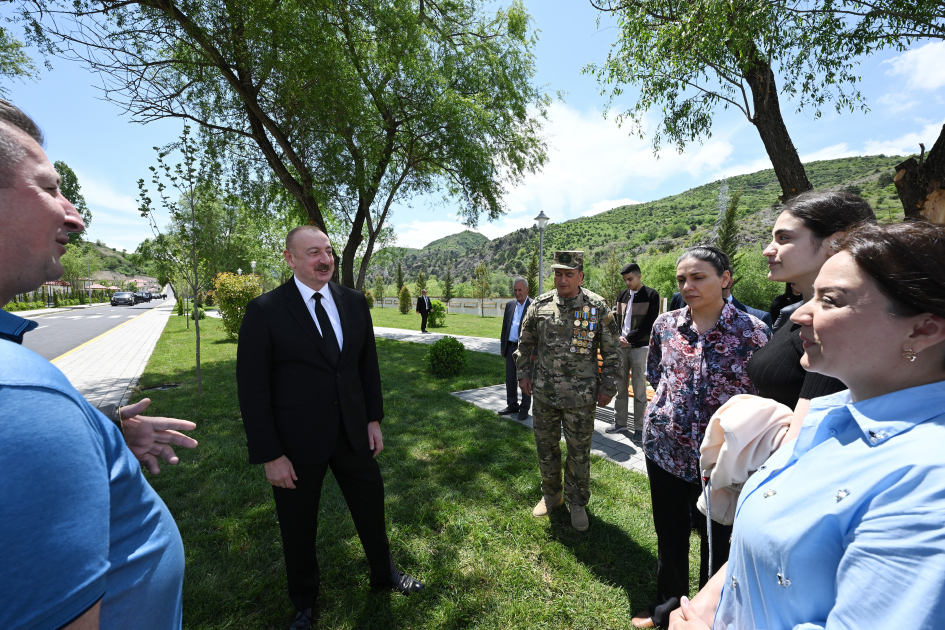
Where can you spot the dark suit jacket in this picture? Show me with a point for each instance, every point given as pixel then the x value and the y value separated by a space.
pixel 507 321
pixel 677 303
pixel 646 307
pixel 422 306
pixel 293 400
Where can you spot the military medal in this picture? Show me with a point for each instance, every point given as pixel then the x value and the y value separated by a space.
pixel 577 322
pixel 587 309
pixel 573 349
pixel 590 335
pixel 593 311
pixel 585 324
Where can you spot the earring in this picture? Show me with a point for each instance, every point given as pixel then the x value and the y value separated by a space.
pixel 908 355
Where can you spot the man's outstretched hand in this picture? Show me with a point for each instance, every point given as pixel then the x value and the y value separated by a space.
pixel 150 438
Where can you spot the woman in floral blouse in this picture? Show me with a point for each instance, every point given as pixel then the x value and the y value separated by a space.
pixel 696 362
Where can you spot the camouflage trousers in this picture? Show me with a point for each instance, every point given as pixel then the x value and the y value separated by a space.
pixel 578 423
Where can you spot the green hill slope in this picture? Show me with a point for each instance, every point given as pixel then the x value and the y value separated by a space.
pixel 658 226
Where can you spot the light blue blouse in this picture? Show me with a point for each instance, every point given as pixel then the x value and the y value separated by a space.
pixel 845 527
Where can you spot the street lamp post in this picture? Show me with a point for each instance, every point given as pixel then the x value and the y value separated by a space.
pixel 542 221
pixel 252 264
pixel 239 271
pixel 88 259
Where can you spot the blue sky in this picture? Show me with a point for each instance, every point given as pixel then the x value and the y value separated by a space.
pixel 593 165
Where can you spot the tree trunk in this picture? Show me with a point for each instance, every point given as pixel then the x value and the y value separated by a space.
pixel 774 134
pixel 197 331
pixel 921 184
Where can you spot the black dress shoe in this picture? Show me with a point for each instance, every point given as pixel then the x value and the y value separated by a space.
pixel 400 581
pixel 302 620
pixel 508 411
pixel 522 416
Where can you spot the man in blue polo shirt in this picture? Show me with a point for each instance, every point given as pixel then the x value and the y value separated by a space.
pixel 87 543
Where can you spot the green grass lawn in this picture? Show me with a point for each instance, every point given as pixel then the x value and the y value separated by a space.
pixel 460 485
pixel 456 324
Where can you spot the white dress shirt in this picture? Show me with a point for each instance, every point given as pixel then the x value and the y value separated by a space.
pixel 328 303
pixel 629 314
pixel 516 320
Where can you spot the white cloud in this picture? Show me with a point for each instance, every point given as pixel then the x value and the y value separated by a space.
pixel 923 67
pixel 829 153
pixel 906 144
pixel 896 103
pixel 591 158
pixel 101 194
pixel 607 204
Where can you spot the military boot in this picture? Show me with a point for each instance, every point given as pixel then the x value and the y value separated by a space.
pixel 547 503
pixel 579 517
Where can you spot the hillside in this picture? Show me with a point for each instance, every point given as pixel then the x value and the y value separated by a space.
pixel 656 226
pixel 462 242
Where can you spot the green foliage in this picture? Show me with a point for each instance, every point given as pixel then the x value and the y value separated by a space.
pixel 14 63
pixel 659 272
pixel 463 241
pixel 180 307
pixel 482 282
pixel 447 357
pixel 404 300
pixel 233 292
pixel 421 282
pixel 444 101
pixel 611 280
pixel 437 314
pixel 400 276
pixel 532 274
pixel 370 299
pixel 71 190
pixel 726 237
pixel 379 288
pixel 448 285
pixel 754 288
pixel 56 299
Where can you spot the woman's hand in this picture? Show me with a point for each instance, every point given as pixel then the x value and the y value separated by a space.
pixel 685 618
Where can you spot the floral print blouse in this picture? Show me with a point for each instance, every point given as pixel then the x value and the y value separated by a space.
pixel 693 375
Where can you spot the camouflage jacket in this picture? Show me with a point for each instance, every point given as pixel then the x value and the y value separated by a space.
pixel 567 333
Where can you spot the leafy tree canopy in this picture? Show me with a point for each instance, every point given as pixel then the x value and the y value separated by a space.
pixel 351 104
pixel 70 188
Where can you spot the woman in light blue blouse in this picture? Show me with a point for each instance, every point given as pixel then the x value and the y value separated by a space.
pixel 844 527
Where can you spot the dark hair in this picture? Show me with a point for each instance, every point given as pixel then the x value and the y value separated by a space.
pixel 11 149
pixel 630 268
pixel 712 255
pixel 302 228
pixel 826 213
pixel 906 261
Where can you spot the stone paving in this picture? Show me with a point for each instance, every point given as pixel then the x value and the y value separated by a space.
pixel 617 447
pixel 106 369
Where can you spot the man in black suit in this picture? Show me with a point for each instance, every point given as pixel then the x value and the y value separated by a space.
pixel 511 327
pixel 310 395
pixel 423 307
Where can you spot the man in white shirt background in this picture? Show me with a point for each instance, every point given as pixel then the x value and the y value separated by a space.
pixel 511 326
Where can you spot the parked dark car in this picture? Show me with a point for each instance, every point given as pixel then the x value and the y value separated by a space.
pixel 139 297
pixel 124 297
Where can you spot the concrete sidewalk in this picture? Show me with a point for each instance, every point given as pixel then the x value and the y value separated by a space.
pixel 106 369
pixel 617 447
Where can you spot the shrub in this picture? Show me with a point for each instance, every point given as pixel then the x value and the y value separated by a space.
pixel 447 357
pixel 404 300
pixel 180 307
pixel 437 314
pixel 201 314
pixel 56 299
pixel 233 293
pixel 370 299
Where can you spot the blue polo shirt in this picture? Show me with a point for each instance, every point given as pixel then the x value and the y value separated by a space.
pixel 845 526
pixel 78 521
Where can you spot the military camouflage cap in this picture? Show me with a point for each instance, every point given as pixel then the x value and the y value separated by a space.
pixel 569 260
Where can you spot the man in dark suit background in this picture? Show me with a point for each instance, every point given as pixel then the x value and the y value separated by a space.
pixel 423 307
pixel 511 327
pixel 678 302
pixel 309 389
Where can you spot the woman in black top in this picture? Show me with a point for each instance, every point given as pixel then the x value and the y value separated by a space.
pixel 801 245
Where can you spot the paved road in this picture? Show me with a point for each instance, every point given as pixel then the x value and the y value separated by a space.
pixel 60 332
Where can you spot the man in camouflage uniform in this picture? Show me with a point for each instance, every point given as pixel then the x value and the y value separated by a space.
pixel 565 328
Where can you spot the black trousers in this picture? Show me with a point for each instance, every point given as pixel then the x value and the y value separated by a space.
pixel 359 478
pixel 674 501
pixel 423 321
pixel 512 390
